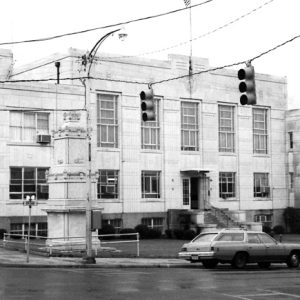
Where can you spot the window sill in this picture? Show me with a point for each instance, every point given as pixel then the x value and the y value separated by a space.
pixel 190 152
pixel 28 144
pixel 261 155
pixel 155 151
pixel 228 199
pixel 14 202
pixel 263 199
pixel 103 149
pixel 227 154
pixel 147 200
pixel 109 201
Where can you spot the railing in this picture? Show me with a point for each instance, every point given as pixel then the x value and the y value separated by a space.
pixel 221 214
pixel 69 244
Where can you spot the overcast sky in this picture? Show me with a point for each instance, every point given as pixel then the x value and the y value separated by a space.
pixel 275 23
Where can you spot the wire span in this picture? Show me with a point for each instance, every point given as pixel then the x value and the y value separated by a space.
pixel 102 27
pixel 163 80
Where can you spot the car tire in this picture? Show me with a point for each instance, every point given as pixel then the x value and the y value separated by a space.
pixel 240 260
pixel 293 260
pixel 210 264
pixel 264 265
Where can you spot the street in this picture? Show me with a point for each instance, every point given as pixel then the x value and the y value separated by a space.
pixel 278 282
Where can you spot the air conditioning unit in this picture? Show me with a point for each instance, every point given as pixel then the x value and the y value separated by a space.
pixel 43 138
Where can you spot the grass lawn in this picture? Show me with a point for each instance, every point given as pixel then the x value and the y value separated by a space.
pixel 158 248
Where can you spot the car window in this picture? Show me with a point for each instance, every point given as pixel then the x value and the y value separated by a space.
pixel 253 238
pixel 206 237
pixel 266 239
pixel 231 236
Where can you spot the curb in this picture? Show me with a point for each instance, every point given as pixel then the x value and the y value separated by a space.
pixel 97 266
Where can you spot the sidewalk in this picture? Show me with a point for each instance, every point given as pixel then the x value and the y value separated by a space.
pixel 12 258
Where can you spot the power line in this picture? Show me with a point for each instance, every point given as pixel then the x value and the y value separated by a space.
pixel 164 49
pixel 198 37
pixel 163 80
pixel 43 65
pixel 103 27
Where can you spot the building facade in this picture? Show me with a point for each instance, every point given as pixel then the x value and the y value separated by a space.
pixel 204 150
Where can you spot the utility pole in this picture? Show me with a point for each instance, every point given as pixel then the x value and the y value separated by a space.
pixel 87 62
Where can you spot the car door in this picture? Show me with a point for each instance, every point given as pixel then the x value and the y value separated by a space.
pixel 256 248
pixel 275 250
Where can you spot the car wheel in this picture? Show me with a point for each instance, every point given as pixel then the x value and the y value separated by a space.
pixel 293 260
pixel 240 260
pixel 210 264
pixel 264 265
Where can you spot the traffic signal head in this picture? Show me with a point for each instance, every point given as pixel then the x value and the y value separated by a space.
pixel 147 105
pixel 247 85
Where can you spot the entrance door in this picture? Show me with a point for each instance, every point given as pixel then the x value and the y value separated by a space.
pixel 191 192
pixel 194 193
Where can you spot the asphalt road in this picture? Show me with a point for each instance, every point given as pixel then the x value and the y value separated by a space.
pixel 278 282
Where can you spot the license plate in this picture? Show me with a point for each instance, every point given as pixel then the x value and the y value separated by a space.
pixel 194 257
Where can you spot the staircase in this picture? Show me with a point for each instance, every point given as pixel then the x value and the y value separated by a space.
pixel 220 217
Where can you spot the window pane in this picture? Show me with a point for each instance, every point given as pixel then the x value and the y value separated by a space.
pixel 189 126
pixel 107 120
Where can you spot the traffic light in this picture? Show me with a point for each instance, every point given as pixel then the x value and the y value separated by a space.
pixel 147 105
pixel 247 85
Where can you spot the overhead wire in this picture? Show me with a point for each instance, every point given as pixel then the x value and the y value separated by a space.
pixel 167 48
pixel 163 80
pixel 198 37
pixel 43 65
pixel 103 27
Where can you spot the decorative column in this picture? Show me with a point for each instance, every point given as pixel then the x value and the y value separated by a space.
pixel 67 181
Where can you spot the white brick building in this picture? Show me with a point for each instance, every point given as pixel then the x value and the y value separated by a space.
pixel 204 150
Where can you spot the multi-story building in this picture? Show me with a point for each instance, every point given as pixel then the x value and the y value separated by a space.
pixel 204 151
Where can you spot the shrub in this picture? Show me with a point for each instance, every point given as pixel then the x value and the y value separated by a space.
pixel 128 230
pixel 107 229
pixel 267 229
pixel 178 233
pixel 169 233
pixel 189 234
pixel 2 231
pixel 278 229
pixel 154 233
pixel 143 231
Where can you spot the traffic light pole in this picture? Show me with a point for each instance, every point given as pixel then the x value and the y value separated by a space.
pixel 87 62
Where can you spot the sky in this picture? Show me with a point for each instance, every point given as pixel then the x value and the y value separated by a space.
pixel 273 24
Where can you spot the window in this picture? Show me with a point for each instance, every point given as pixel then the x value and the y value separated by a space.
pixel 154 223
pixel 261 185
pixel 151 131
pixel 291 141
pixel 116 223
pixel 226 185
pixel 107 187
pixel 150 184
pixel 189 126
pixel 253 238
pixel 107 121
pixel 263 218
pixel 266 239
pixel 36 229
pixel 231 237
pixel 226 128
pixel 24 126
pixel 260 131
pixel 27 182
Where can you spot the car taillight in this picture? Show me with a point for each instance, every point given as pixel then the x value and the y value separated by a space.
pixel 183 249
pixel 212 248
